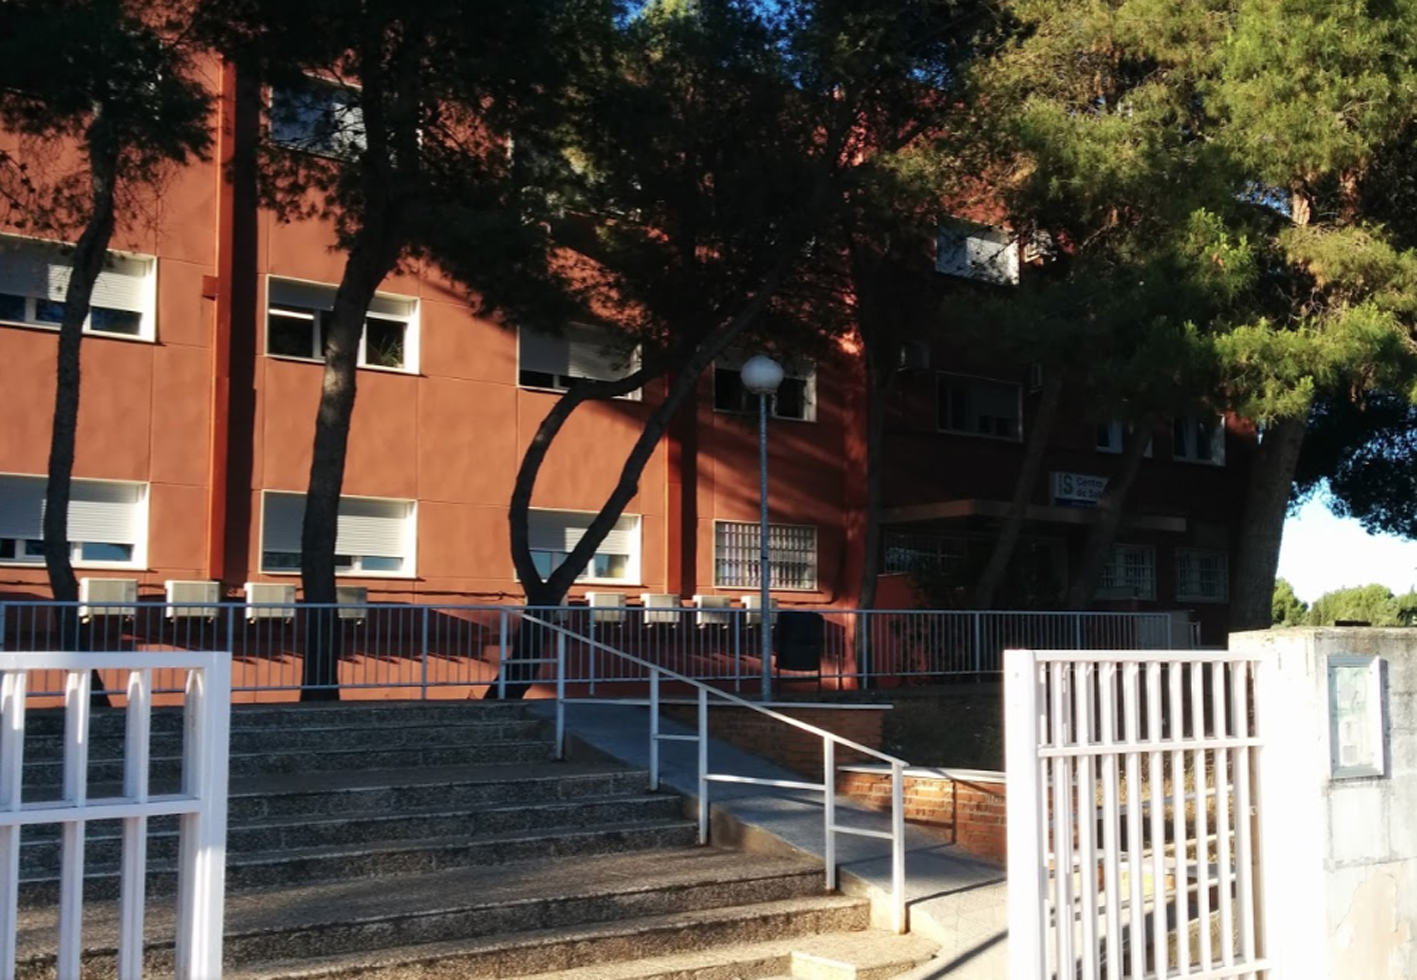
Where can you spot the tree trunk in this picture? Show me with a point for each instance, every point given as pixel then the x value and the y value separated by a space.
pixel 1003 551
pixel 552 590
pixel 1087 574
pixel 371 258
pixel 1262 529
pixel 87 262
pixel 880 382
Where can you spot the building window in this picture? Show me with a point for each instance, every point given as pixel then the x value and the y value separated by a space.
pixel 974 406
pixel 374 536
pixel 107 522
pixel 977 252
pixel 796 397
pixel 1202 576
pixel 1199 440
pixel 1130 573
pixel 297 324
pixel 554 534
pixel 580 351
pixel 1112 435
pixel 34 276
pixel 921 552
pixel 737 556
pixel 317 116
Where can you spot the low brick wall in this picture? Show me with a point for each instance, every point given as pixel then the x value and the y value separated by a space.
pixel 790 747
pixel 970 806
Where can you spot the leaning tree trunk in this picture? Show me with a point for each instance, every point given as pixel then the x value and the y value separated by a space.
pixel 87 263
pixel 1087 575
pixel 880 382
pixel 515 674
pixel 1262 527
pixel 1003 551
pixel 371 258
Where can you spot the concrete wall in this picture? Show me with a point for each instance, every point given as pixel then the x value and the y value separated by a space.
pixel 1340 854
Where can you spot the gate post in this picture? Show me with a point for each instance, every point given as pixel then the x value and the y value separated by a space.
pixel 1027 815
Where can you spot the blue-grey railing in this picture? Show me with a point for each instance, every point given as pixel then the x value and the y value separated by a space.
pixel 426 650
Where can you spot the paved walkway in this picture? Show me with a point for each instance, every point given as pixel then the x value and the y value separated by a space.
pixel 955 899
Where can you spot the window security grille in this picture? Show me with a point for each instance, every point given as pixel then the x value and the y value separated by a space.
pixel 792 556
pixel 1130 573
pixel 1202 575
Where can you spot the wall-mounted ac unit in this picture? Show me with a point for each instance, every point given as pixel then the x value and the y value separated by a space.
pixel 661 607
pixel 755 603
pixel 269 600
pixel 714 610
pixel 353 601
pixel 914 355
pixel 108 597
pixel 194 600
pixel 609 606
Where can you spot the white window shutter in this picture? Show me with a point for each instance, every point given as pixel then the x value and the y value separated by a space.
pixel 590 355
pixel 377 528
pixel 104 513
pixel 122 285
pixel 283 515
pixel 556 530
pixel 21 506
pixel 391 306
pixel 303 295
pixel 551 530
pixel 543 353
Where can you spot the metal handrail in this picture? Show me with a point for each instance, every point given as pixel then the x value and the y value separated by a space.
pixel 827 787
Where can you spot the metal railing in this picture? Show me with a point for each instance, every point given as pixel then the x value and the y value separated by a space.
pixel 705 692
pixel 453 650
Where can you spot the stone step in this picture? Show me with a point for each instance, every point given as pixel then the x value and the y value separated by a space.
pixel 512 920
pixel 711 944
pixel 866 955
pixel 43 777
pixel 451 731
pixel 103 846
pixel 367 861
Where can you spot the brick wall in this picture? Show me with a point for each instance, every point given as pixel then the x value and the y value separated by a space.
pixel 789 747
pixel 972 812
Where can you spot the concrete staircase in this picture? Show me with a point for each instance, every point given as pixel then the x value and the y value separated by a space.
pixel 438 840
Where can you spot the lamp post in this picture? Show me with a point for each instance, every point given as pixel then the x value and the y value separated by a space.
pixel 761 375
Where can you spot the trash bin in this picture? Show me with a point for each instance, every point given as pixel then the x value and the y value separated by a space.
pixel 799 638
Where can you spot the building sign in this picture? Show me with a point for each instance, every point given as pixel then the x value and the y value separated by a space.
pixel 1077 489
pixel 1356 717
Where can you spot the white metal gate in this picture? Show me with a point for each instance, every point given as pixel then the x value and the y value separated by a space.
pixel 1132 814
pixel 200 803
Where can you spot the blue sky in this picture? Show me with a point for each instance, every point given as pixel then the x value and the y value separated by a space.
pixel 1322 552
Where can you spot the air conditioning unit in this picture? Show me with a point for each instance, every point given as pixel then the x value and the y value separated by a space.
pixel 609 606
pixel 353 601
pixel 714 610
pixel 108 597
pixel 661 607
pixel 914 356
pixel 755 603
pixel 269 600
pixel 192 600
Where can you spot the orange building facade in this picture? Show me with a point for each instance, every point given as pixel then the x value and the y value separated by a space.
pixel 201 377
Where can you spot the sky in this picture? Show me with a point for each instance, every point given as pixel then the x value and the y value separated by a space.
pixel 1321 552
